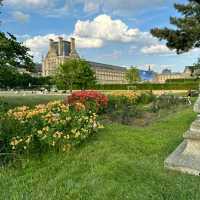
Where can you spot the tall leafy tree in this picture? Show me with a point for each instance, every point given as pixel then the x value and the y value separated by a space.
pixel 85 77
pixel 65 75
pixel 75 73
pixel 14 53
pixel 133 75
pixel 186 35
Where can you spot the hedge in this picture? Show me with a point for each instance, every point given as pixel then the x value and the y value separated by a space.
pixel 192 80
pixel 149 86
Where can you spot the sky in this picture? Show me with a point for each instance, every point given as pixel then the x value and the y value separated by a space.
pixel 108 31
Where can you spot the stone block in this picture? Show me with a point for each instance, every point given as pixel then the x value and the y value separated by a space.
pixel 186 158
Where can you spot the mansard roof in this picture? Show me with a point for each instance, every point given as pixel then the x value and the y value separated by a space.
pixel 106 66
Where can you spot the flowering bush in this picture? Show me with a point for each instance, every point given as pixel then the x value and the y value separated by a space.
pixel 92 100
pixel 130 96
pixel 51 126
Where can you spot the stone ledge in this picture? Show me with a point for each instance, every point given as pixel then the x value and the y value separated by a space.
pixel 183 160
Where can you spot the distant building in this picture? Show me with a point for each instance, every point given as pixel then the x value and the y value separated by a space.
pixel 58 52
pixel 167 71
pixel 167 74
pixel 62 50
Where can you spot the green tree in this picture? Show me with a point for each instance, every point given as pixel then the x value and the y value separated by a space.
pixel 13 53
pixel 133 75
pixel 65 74
pixel 187 33
pixel 85 77
pixel 75 73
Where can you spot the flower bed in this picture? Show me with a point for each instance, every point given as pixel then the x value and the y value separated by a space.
pixel 131 96
pixel 53 126
pixel 92 100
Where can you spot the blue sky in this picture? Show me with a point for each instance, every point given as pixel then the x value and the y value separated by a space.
pixel 111 31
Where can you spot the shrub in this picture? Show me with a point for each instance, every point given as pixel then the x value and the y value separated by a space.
pixel 118 100
pixel 3 106
pixel 54 126
pixel 166 102
pixel 125 115
pixel 92 100
pixel 146 98
pixel 151 86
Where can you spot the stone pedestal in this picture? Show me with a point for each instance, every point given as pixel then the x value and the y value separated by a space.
pixel 186 158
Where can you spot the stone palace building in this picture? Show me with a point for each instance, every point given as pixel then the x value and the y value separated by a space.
pixel 167 74
pixel 61 50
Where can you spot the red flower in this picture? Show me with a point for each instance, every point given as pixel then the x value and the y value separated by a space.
pixel 83 96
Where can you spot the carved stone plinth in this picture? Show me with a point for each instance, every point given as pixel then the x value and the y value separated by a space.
pixel 186 158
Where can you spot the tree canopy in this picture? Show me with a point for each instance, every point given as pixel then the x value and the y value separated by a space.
pixel 133 75
pixel 187 33
pixel 75 73
pixel 14 53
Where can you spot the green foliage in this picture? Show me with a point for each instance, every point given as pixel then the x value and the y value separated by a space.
pixel 124 108
pixel 186 36
pixel 150 86
pixel 120 163
pixel 133 75
pixel 75 73
pixel 13 53
pixel 3 106
pixel 167 102
pixel 85 77
pixel 146 98
pixel 11 78
pixel 188 81
pixel 54 126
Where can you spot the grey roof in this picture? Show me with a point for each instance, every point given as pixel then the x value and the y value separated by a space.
pixel 106 66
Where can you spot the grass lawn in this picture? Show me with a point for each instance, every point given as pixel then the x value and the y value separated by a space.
pixel 29 100
pixel 119 163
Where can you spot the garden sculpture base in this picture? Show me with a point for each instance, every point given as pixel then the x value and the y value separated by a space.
pixel 186 158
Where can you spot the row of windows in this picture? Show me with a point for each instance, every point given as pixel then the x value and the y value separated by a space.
pixel 110 73
pixel 109 78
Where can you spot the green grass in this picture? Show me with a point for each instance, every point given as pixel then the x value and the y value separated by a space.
pixel 29 100
pixel 119 163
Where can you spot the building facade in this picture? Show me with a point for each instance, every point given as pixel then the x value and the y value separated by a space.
pixel 61 50
pixel 167 74
pixel 58 52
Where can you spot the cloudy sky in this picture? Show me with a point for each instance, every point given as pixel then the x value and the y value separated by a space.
pixel 107 31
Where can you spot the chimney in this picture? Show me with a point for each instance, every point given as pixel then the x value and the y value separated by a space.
pixel 73 48
pixel 60 46
pixel 50 44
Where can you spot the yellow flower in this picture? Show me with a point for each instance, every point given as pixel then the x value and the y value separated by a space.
pixel 77 134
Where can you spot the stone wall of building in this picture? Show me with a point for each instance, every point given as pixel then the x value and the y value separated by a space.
pixel 163 77
pixel 62 50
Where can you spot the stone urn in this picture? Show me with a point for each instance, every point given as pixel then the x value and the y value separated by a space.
pixel 186 158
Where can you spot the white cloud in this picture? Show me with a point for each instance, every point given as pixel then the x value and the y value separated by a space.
pixel 20 16
pixel 39 44
pixel 97 33
pixel 88 42
pixel 105 28
pixel 156 49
